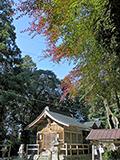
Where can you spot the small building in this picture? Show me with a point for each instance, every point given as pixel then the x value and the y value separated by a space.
pixel 103 138
pixel 54 129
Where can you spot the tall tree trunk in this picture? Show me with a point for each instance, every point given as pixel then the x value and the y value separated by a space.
pixel 111 118
pixel 107 111
pixel 117 100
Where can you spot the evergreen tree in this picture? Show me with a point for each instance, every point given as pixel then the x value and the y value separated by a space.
pixel 9 53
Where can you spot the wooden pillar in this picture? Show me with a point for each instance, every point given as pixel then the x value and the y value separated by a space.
pixel 77 150
pixel 100 156
pixel 70 150
pixel 27 149
pixel 66 150
pixel 93 155
pixel 100 152
pixel 70 138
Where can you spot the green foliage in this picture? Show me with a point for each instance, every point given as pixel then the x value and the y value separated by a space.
pixel 97 110
pixel 88 32
pixel 9 52
pixel 111 155
pixel 32 92
pixel 26 93
pixel 107 155
pixel 9 56
pixel 28 64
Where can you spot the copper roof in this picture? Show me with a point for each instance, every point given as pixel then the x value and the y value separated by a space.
pixel 104 134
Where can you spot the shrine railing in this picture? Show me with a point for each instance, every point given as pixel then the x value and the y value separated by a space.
pixel 66 149
pixel 75 149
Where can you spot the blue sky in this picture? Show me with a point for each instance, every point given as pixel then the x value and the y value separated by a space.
pixel 35 46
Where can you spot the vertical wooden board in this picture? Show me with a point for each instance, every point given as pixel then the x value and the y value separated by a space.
pixel 49 132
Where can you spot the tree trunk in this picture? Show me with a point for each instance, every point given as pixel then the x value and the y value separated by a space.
pixel 111 118
pixel 117 100
pixel 107 111
pixel 2 130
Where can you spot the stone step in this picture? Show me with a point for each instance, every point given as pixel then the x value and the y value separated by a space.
pixel 44 158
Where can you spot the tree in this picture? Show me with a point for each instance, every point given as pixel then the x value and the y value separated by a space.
pixel 28 93
pixel 80 30
pixel 9 54
pixel 28 64
pixel 9 51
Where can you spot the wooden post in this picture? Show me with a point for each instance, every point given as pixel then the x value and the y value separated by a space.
pixel 77 150
pixel 83 149
pixel 93 155
pixel 27 149
pixel 66 149
pixel 70 138
pixel 100 151
pixel 38 149
pixel 70 150
pixel 100 156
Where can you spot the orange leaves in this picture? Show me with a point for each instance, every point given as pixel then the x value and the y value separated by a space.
pixel 66 87
pixel 49 18
pixel 58 22
pixel 57 52
pixel 70 84
pixel 41 25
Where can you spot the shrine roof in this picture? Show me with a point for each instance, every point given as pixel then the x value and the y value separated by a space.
pixel 61 119
pixel 104 134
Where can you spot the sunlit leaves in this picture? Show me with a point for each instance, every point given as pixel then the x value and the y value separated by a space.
pixel 72 28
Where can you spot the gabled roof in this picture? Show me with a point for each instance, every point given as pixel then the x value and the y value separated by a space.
pixel 59 118
pixel 104 134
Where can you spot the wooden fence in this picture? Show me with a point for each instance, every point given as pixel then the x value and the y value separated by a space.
pixel 30 148
pixel 75 149
pixel 66 148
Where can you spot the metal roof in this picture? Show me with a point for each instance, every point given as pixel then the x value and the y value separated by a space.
pixel 61 119
pixel 104 134
pixel 65 119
